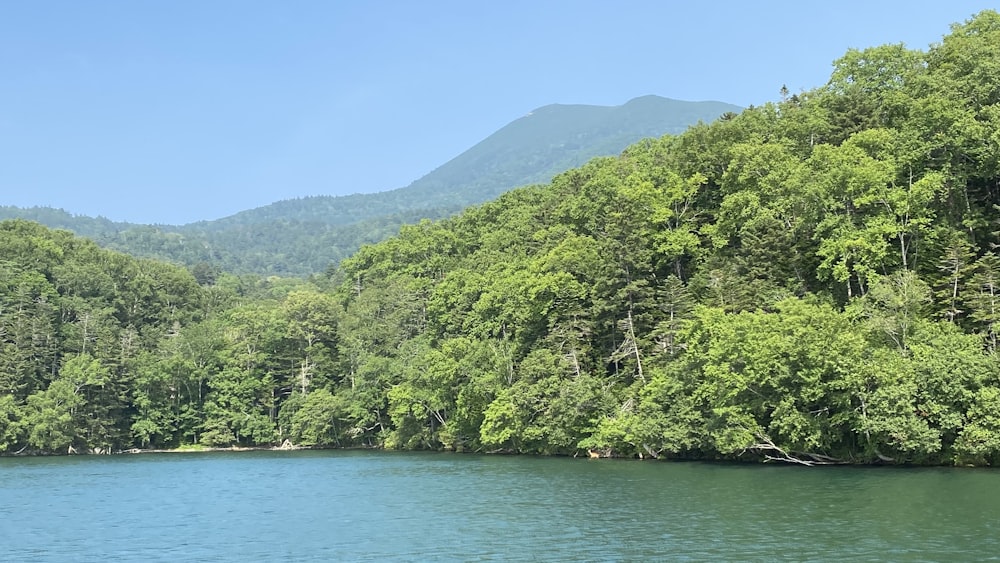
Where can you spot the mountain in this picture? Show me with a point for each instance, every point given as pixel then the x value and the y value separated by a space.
pixel 555 138
pixel 529 150
pixel 306 235
pixel 812 281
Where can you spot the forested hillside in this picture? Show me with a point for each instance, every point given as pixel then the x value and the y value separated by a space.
pixel 814 281
pixel 102 351
pixel 308 235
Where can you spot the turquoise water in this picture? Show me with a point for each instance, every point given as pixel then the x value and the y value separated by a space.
pixel 378 506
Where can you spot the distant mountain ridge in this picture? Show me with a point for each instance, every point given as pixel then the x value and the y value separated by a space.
pixel 531 149
pixel 555 138
pixel 305 235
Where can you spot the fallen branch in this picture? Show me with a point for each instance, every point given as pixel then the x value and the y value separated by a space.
pixel 802 458
pixel 883 457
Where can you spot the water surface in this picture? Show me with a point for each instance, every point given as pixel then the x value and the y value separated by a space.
pixel 377 506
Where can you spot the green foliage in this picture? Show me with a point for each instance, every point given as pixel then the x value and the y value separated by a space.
pixel 305 236
pixel 51 417
pixel 10 427
pixel 979 441
pixel 317 421
pixel 811 281
pixel 825 240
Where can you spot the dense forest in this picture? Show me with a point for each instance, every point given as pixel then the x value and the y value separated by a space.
pixel 814 280
pixel 302 236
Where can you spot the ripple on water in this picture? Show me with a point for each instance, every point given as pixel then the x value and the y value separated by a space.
pixel 376 506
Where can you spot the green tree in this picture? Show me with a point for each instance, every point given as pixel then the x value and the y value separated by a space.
pixel 50 417
pixel 895 306
pixel 10 427
pixel 318 420
pixel 984 299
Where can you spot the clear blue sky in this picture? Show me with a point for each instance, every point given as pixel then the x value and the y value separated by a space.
pixel 178 111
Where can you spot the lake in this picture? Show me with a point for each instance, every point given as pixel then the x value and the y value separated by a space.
pixel 377 506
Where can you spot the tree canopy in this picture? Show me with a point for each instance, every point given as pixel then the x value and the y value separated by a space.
pixel 814 280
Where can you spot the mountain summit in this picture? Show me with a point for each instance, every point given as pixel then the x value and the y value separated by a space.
pixel 555 138
pixel 307 235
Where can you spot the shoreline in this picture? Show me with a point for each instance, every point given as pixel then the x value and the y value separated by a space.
pixel 139 451
pixel 181 450
pixel 288 447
